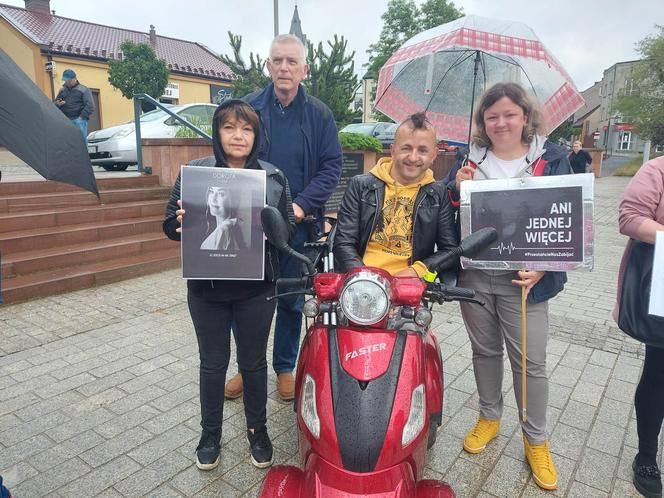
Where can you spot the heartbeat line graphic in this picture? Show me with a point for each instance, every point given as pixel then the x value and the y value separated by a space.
pixel 511 247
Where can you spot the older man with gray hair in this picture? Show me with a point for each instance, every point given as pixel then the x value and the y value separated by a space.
pixel 298 135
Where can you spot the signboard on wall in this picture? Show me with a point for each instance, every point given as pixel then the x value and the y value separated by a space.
pixel 220 93
pixel 352 165
pixel 172 91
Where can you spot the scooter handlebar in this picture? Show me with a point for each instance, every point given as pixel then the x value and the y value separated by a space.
pixel 291 283
pixel 460 292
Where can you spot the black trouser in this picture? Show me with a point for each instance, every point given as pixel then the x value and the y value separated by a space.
pixel 251 318
pixel 649 403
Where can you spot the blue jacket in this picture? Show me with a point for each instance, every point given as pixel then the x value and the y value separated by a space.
pixel 4 492
pixel 322 155
pixel 546 159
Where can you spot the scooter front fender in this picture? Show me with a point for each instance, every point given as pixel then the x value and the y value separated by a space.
pixel 283 481
pixel 321 479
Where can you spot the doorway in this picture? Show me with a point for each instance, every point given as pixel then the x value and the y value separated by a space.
pixel 94 123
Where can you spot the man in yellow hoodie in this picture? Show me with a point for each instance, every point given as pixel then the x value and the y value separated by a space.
pixel 397 216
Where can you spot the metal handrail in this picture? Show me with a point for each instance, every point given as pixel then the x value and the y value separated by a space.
pixel 137 124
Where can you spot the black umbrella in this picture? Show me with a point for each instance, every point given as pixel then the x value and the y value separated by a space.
pixel 35 130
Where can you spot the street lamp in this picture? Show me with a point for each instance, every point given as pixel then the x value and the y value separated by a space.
pixel 608 137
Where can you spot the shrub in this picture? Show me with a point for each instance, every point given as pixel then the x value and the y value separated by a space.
pixel 357 141
pixel 185 132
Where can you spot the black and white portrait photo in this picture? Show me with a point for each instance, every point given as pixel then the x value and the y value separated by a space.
pixel 222 237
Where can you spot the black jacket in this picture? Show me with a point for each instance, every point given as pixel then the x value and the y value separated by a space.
pixel 277 194
pixel 78 101
pixel 433 221
pixel 579 161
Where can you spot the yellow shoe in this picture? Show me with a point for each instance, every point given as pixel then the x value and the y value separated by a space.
pixel 541 464
pixel 480 435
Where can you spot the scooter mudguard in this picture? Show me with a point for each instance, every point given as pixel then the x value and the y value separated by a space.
pixel 283 481
pixel 324 480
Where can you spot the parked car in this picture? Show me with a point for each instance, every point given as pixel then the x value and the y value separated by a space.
pixel 386 137
pixel 114 148
pixel 443 146
pixel 371 129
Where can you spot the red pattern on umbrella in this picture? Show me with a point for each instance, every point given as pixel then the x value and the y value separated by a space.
pixel 399 103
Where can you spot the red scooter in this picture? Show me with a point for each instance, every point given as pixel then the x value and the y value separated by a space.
pixel 369 385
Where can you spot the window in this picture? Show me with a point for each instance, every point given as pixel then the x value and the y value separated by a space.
pixel 628 89
pixel 625 140
pixel 196 114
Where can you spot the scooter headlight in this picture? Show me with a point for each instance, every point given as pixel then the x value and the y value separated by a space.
pixel 308 406
pixel 365 299
pixel 415 421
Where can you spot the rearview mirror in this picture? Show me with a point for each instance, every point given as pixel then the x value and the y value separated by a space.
pixel 274 227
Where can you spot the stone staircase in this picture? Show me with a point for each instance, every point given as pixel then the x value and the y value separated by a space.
pixel 57 238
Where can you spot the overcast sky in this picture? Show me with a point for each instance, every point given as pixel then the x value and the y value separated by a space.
pixel 586 37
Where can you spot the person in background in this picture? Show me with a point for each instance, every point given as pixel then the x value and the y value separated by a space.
pixel 299 136
pixel 216 304
pixel 641 216
pixel 75 101
pixel 579 159
pixel 508 143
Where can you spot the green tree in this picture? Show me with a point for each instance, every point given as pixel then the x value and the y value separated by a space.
pixel 436 12
pixel 139 71
pixel 565 130
pixel 332 78
pixel 402 20
pixel 248 78
pixel 645 104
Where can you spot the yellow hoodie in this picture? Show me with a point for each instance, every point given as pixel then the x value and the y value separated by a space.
pixel 391 244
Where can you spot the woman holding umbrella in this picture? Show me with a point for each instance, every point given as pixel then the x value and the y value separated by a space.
pixel 508 143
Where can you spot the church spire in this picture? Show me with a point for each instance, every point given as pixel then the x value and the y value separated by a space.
pixel 296 26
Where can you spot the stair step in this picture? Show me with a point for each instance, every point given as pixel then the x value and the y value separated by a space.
pixel 47 186
pixel 49 217
pixel 23 202
pixel 69 279
pixel 27 240
pixel 39 260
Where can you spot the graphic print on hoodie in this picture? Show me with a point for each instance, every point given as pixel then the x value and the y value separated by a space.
pixel 391 244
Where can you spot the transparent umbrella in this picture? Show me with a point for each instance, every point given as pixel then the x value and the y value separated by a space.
pixel 445 69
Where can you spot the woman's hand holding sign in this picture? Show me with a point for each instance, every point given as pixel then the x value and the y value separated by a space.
pixel 528 278
pixel 464 173
pixel 179 213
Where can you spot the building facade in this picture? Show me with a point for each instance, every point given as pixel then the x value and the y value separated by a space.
pixel 44 45
pixel 587 118
pixel 617 134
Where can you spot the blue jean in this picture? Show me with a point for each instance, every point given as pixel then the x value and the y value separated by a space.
pixel 82 125
pixel 289 309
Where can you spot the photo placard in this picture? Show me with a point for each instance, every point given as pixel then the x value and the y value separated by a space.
pixel 222 236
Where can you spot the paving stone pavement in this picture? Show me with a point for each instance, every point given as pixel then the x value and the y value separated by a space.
pixel 99 395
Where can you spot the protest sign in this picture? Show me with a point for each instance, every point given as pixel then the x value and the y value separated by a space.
pixel 656 304
pixel 543 223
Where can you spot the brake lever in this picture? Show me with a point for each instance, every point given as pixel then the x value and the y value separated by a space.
pixel 438 299
pixel 291 293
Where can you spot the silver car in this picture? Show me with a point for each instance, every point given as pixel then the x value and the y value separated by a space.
pixel 114 148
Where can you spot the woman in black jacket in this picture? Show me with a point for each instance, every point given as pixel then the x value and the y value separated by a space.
pixel 216 304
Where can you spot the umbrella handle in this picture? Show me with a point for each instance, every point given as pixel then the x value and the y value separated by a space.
pixel 524 294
